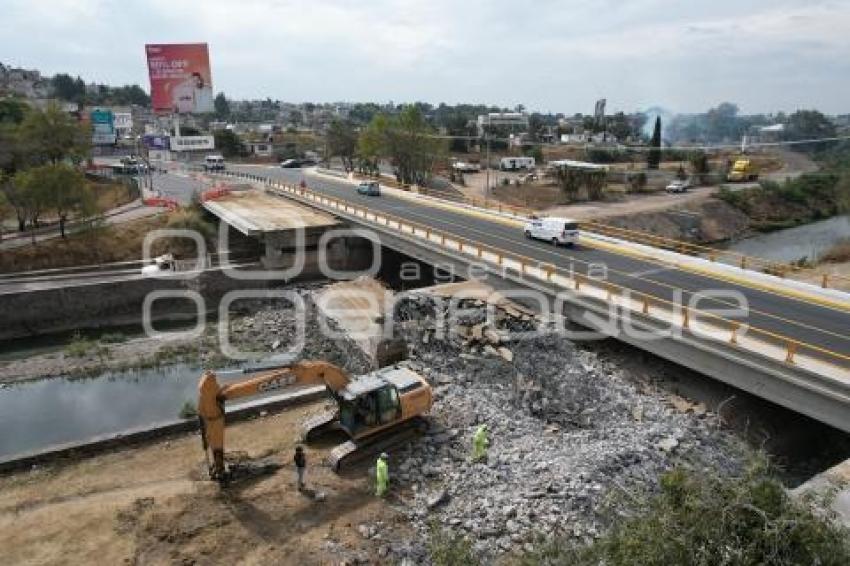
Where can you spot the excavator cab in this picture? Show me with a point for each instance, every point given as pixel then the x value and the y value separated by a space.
pixel 368 405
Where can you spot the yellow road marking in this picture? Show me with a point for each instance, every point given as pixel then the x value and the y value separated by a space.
pixel 836 304
pixel 696 292
pixel 714 274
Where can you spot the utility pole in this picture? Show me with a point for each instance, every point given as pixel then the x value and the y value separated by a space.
pixel 487 139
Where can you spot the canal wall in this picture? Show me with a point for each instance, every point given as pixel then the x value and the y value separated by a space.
pixel 98 304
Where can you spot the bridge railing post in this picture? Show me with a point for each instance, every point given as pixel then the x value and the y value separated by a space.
pixel 790 349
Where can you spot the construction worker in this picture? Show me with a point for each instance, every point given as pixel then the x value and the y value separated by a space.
pixel 480 443
pixel 300 466
pixel 382 475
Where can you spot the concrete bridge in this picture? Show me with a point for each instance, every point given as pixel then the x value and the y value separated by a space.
pixel 791 345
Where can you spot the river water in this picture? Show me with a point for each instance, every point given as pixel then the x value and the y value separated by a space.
pixel 791 244
pixel 38 414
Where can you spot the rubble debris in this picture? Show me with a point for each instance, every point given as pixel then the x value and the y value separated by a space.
pixel 565 428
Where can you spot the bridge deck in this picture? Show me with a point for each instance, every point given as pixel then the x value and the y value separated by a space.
pixel 255 213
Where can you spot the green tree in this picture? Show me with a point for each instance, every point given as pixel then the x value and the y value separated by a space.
pixel 67 88
pixel 30 199
pixel 222 106
pixel 808 125
pixel 60 188
pixel 52 136
pixel 408 141
pixel 342 142
pixel 573 179
pixel 228 143
pixel 653 158
pixel 12 113
pixel 6 208
pixel 13 110
pixel 371 144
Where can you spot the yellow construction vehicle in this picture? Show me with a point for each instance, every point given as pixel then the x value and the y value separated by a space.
pixel 743 170
pixel 375 410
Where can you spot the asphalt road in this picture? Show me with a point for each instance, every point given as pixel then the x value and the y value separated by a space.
pixel 814 324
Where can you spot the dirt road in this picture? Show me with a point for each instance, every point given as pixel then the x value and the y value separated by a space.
pixel 152 505
pixel 631 204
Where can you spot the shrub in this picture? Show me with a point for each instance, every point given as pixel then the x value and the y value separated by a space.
pixel 699 519
pixel 188 411
pixel 81 347
pixel 838 252
pixel 186 218
pixel 448 549
pixel 113 338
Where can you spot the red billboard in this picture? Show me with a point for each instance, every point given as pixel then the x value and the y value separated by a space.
pixel 180 76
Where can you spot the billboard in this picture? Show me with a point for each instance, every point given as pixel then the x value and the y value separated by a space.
pixel 192 143
pixel 103 127
pixel 155 142
pixel 123 121
pixel 181 81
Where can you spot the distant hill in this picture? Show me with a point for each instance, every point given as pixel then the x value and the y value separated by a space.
pixel 31 84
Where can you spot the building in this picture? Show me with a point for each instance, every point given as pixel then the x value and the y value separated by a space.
pixel 511 120
pixel 23 82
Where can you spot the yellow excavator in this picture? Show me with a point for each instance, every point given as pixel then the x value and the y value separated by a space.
pixel 376 410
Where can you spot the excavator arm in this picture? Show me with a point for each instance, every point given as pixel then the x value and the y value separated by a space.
pixel 212 397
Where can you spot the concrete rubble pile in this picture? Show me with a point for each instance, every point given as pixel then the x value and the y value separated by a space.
pixel 272 328
pixel 566 430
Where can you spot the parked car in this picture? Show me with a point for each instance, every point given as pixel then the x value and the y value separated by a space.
pixel 369 188
pixel 678 186
pixel 160 264
pixel 290 163
pixel 559 231
pixel 466 167
pixel 213 163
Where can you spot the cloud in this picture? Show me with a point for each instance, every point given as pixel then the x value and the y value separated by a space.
pixel 551 54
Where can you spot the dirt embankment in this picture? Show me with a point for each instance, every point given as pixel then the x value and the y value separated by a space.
pixel 703 221
pixel 150 505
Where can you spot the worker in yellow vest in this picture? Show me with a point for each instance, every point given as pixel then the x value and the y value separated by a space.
pixel 382 475
pixel 480 443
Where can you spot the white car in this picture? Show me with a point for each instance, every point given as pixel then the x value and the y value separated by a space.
pixel 558 231
pixel 163 263
pixel 678 186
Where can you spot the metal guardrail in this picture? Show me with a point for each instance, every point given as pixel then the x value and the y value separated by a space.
pixel 790 350
pixel 779 269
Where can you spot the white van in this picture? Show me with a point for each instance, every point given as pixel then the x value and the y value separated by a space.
pixel 559 231
pixel 213 163
pixel 516 163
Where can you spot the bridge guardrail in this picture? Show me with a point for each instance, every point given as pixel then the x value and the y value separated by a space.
pixel 779 269
pixel 785 349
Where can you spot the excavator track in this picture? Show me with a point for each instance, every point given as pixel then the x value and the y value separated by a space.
pixel 352 452
pixel 320 424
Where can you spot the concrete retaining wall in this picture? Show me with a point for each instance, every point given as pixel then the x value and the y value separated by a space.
pixel 102 304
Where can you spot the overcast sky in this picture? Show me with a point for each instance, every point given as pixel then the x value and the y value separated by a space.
pixel 550 55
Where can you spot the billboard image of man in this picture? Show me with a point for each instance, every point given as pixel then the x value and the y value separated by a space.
pixel 180 78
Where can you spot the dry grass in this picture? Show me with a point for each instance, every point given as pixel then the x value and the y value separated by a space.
pixel 839 252
pixel 104 244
